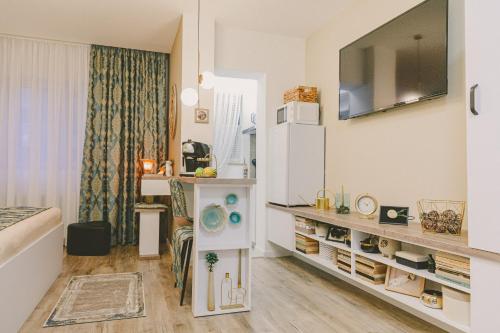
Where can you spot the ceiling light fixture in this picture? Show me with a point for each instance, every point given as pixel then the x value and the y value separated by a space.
pixel 190 96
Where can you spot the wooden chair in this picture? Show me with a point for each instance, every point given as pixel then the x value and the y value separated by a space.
pixel 182 237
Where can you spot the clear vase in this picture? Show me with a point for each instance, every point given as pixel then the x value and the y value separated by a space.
pixel 210 295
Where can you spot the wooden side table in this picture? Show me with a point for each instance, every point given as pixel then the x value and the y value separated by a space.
pixel 149 230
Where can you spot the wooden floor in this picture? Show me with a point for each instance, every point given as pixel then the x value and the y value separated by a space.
pixel 288 296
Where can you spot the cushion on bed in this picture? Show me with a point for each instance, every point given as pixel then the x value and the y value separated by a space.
pixel 17 237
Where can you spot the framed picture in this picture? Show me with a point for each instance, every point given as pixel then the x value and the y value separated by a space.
pixel 403 282
pixel 337 234
pixel 201 115
pixel 394 215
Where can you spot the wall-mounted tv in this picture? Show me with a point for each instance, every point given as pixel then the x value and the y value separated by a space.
pixel 402 62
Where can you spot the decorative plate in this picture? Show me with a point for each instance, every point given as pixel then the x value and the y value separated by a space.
pixel 231 199
pixel 172 112
pixel 213 218
pixel 235 218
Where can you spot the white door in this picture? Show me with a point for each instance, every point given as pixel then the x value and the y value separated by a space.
pixel 278 164
pixel 482 45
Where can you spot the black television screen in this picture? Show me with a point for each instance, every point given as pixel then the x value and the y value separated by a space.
pixel 404 61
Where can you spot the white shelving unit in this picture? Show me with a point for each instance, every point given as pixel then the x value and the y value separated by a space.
pixel 405 302
pixel 226 243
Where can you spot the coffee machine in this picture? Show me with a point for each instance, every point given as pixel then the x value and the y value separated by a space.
pixel 192 151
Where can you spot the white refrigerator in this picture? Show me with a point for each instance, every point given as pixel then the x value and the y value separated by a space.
pixel 296 163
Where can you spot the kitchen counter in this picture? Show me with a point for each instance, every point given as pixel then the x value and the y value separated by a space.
pixel 218 181
pixel 199 180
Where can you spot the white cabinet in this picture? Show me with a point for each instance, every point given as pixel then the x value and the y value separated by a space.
pixel 281 228
pixel 482 54
pixel 482 33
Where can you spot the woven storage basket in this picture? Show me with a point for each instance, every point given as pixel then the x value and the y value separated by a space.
pixel 301 94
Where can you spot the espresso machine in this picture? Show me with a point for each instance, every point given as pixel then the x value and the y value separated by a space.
pixel 193 154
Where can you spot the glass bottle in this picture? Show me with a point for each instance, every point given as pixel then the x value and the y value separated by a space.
pixel 226 291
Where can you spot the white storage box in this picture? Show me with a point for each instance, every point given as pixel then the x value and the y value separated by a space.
pixel 456 305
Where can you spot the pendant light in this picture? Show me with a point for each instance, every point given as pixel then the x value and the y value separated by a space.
pixel 191 96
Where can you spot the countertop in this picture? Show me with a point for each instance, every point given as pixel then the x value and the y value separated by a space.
pixel 412 233
pixel 209 181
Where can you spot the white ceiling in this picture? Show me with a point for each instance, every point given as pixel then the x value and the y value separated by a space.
pixel 295 18
pixel 152 24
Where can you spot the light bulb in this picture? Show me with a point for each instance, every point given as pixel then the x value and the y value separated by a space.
pixel 189 97
pixel 208 81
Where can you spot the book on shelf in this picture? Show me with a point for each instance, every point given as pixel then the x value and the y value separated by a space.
pixel 461 279
pixel 344 252
pixel 454 257
pixel 377 279
pixel 369 262
pixel 343 266
pixel 453 268
pixel 343 258
pixel 377 270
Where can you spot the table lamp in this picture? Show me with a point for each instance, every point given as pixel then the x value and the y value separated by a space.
pixel 148 165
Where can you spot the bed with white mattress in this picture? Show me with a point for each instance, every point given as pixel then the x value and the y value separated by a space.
pixel 31 254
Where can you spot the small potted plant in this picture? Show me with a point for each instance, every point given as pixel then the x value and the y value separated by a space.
pixel 211 259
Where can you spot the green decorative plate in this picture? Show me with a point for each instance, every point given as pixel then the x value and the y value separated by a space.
pixel 213 218
pixel 235 218
pixel 231 199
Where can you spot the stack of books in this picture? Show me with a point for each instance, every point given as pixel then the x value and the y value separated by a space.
pixel 453 268
pixel 344 260
pixel 306 245
pixel 327 252
pixel 370 270
pixel 304 225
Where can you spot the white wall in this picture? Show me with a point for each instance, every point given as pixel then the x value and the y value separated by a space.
pixel 401 156
pixel 278 63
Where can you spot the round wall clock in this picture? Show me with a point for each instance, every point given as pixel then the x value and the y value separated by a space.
pixel 366 205
pixel 172 112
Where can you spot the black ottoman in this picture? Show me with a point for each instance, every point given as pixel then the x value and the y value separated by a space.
pixel 89 239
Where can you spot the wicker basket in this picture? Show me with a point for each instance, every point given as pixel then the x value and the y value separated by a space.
pixel 301 94
pixel 441 216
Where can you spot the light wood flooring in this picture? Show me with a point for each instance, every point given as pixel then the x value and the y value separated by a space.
pixel 288 296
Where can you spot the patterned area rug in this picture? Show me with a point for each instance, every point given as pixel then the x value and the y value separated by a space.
pixel 92 298
pixel 11 215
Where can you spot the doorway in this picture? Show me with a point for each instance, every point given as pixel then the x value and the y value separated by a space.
pixel 239 108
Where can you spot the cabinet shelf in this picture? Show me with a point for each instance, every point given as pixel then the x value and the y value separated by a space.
pixel 419 272
pixel 324 241
pixel 409 303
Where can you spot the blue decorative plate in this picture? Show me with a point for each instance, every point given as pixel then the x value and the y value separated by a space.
pixel 231 199
pixel 213 218
pixel 235 218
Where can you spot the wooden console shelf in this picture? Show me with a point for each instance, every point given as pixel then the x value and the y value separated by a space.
pixel 282 231
pixel 410 234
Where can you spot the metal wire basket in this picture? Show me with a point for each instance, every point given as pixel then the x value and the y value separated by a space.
pixel 441 216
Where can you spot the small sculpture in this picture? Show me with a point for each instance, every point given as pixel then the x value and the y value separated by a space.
pixel 388 247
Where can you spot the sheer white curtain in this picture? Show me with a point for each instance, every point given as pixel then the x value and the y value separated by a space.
pixel 228 107
pixel 43 105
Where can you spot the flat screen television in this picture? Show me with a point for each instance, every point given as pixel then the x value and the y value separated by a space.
pixel 402 62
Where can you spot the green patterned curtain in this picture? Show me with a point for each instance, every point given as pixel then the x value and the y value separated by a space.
pixel 126 121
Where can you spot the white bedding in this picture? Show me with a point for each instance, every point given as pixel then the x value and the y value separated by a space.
pixel 20 235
